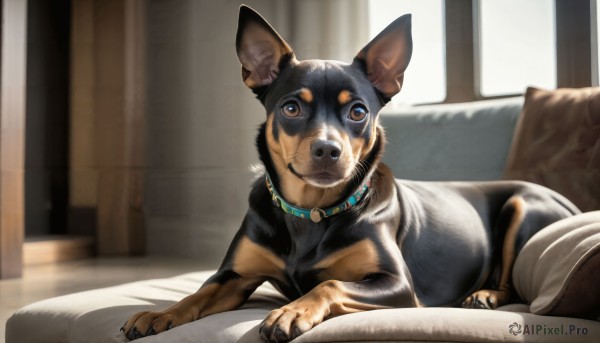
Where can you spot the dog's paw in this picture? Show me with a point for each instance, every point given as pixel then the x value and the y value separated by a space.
pixel 486 299
pixel 290 321
pixel 145 324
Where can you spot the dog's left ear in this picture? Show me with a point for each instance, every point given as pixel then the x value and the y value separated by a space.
pixel 260 49
pixel 386 57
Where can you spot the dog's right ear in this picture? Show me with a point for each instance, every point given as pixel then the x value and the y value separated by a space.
pixel 259 48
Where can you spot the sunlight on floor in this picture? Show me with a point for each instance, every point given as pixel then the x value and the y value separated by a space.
pixel 51 280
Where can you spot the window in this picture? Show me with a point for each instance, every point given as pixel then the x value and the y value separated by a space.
pixel 425 78
pixel 517 45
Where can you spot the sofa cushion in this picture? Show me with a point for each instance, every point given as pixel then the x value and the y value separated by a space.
pixel 96 316
pixel 557 144
pixel 465 141
pixel 557 271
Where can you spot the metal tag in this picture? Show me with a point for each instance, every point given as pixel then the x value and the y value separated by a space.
pixel 315 215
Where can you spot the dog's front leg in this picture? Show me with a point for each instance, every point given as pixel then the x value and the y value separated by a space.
pixel 224 291
pixel 333 298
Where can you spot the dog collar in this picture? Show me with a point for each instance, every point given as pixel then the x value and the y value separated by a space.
pixel 316 214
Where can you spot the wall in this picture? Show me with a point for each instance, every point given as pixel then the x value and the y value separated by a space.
pixel 202 120
pixel 201 123
pixel 328 29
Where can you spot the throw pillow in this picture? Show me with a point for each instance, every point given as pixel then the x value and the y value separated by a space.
pixel 557 144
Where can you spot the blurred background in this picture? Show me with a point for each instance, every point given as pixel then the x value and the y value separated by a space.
pixel 126 129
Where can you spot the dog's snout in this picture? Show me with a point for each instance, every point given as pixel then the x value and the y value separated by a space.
pixel 323 150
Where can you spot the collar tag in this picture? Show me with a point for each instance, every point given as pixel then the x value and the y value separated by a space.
pixel 316 214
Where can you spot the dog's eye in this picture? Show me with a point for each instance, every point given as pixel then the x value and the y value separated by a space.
pixel 291 109
pixel 358 113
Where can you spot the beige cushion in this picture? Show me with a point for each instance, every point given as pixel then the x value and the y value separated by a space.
pixel 96 316
pixel 557 144
pixel 558 270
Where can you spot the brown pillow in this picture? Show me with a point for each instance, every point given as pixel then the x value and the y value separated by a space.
pixel 557 143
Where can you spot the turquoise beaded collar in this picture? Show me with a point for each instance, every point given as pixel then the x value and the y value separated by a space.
pixel 316 214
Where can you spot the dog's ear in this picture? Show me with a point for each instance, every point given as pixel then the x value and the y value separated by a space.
pixel 386 57
pixel 259 48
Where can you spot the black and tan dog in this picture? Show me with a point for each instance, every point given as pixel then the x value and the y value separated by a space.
pixel 329 226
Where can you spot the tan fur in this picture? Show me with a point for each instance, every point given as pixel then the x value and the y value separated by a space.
pixel 362 148
pixel 376 132
pixel 252 260
pixel 344 97
pixel 229 296
pixel 326 300
pixel 209 299
pixel 358 145
pixel 306 95
pixel 352 263
pixel 508 249
pixel 501 296
pixel 290 149
pixel 333 295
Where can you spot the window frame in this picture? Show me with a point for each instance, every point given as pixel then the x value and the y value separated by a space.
pixel 461 30
pixel 595 42
pixel 573 43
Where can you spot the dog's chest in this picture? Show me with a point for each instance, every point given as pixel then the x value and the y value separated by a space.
pixel 319 253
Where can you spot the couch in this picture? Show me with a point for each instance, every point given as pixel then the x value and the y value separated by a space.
pixel 557 273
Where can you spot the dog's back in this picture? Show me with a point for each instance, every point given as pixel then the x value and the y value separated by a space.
pixel 452 233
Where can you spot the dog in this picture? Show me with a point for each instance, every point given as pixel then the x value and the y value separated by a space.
pixel 328 224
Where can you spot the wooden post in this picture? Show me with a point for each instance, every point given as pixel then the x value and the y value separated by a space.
pixel 119 125
pixel 12 136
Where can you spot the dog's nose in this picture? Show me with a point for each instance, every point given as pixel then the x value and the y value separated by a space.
pixel 326 151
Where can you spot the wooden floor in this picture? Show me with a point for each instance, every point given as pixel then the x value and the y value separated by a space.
pixel 46 281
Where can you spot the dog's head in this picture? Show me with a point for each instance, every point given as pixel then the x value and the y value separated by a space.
pixel 322 116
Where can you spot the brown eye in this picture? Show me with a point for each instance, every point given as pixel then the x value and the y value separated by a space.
pixel 291 109
pixel 358 113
